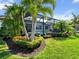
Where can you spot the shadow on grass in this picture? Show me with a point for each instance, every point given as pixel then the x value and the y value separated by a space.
pixel 60 38
pixel 66 38
pixel 77 36
pixel 4 54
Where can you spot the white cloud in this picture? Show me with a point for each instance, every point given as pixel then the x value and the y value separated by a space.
pixel 5 2
pixel 65 16
pixel 2 6
pixel 9 1
pixel 75 1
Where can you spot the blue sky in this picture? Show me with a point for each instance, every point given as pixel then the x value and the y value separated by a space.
pixel 63 10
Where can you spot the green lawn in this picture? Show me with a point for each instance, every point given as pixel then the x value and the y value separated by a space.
pixel 56 48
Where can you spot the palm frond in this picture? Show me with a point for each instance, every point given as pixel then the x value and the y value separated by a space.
pixel 46 10
pixel 52 2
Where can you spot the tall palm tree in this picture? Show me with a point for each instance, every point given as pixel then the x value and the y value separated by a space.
pixel 38 6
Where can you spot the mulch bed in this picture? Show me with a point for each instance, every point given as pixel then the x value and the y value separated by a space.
pixel 20 51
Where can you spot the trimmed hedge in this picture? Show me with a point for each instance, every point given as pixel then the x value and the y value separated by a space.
pixel 61 34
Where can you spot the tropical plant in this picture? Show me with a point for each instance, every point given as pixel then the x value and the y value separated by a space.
pixel 38 6
pixel 63 27
pixel 69 27
pixel 75 21
pixel 15 14
pixel 26 44
pixel 59 26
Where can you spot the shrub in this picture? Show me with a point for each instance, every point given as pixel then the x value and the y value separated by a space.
pixel 63 28
pixel 24 43
pixel 37 42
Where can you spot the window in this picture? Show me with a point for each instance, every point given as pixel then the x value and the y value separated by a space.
pixel 46 27
pixel 28 27
pixel 0 23
pixel 39 27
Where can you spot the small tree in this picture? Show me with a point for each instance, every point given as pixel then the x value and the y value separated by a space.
pixel 74 22
pixel 15 19
pixel 59 26
pixel 65 27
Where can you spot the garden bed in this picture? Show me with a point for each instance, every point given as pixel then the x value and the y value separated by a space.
pixel 32 52
pixel 24 47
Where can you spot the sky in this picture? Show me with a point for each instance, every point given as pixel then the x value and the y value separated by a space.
pixel 63 9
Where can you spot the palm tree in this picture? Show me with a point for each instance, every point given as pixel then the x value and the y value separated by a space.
pixel 16 13
pixel 9 16
pixel 38 6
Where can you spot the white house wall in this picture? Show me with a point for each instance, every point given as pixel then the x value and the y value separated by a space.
pixel 0 23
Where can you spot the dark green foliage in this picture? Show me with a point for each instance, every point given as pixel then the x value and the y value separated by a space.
pixel 11 27
pixel 12 23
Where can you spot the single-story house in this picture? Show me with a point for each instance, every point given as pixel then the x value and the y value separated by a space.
pixel 42 25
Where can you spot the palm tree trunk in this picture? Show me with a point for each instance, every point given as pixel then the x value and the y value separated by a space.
pixel 33 30
pixel 24 26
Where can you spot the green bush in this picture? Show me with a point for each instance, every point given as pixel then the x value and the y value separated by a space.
pixel 63 28
pixel 30 44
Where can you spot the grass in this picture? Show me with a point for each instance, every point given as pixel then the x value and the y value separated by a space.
pixel 56 48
